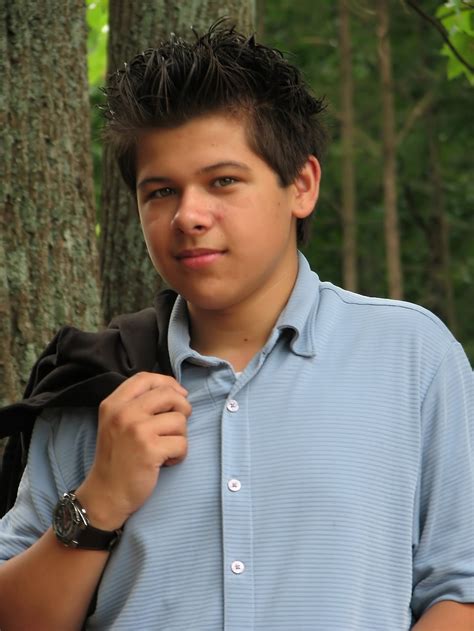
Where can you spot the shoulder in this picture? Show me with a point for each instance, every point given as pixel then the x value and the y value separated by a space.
pixel 396 340
pixel 383 315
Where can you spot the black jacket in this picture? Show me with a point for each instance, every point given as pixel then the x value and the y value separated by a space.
pixel 81 369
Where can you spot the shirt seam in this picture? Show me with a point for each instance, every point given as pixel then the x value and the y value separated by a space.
pixel 437 371
pixel 389 303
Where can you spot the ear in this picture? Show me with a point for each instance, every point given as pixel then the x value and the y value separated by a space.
pixel 306 188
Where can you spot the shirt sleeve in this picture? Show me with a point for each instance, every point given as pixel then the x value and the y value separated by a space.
pixel 38 493
pixel 443 563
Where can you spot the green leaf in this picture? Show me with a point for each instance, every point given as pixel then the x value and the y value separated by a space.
pixel 458 19
pixel 98 28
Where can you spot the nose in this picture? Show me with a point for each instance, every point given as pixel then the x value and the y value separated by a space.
pixel 194 214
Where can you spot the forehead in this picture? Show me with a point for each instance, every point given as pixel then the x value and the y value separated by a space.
pixel 211 137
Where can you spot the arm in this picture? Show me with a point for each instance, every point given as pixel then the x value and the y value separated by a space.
pixel 446 616
pixel 48 586
pixel 142 425
pixel 443 559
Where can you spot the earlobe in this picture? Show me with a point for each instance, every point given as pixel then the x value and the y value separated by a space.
pixel 306 186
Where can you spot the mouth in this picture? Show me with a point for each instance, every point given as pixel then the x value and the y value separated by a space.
pixel 199 257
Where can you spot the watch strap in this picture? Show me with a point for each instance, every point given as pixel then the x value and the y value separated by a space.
pixel 92 538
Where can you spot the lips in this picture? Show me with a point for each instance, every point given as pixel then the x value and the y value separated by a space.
pixel 199 257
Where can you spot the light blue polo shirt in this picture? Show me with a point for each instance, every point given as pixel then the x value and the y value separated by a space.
pixel 328 487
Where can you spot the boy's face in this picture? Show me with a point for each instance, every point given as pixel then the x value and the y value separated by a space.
pixel 218 226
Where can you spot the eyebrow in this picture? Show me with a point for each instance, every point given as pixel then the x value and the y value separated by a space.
pixel 157 179
pixel 219 165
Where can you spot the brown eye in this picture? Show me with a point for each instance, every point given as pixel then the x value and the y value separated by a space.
pixel 159 193
pixel 224 181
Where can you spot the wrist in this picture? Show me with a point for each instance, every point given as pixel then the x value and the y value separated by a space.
pixel 101 511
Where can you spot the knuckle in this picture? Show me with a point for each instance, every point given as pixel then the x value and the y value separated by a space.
pixel 120 419
pixel 168 379
pixel 183 445
pixel 178 420
pixel 166 390
pixel 141 375
pixel 104 407
pixel 182 423
pixel 109 416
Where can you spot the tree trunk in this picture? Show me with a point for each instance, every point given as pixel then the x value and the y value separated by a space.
pixel 349 227
pixel 48 258
pixel 128 277
pixel 392 237
pixel 260 19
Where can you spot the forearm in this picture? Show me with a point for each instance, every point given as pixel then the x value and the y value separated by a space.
pixel 446 616
pixel 49 587
pixel 142 425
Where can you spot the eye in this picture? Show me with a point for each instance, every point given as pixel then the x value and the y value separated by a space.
pixel 221 182
pixel 159 193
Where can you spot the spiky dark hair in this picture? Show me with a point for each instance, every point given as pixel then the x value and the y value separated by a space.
pixel 220 71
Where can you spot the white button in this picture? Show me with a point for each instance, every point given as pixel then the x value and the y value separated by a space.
pixel 234 485
pixel 232 405
pixel 237 567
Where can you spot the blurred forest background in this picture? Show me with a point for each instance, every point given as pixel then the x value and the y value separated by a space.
pixel 395 217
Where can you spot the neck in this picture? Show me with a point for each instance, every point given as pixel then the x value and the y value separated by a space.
pixel 237 333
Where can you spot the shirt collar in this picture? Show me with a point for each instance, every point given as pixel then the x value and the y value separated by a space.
pixel 296 318
pixel 179 339
pixel 299 312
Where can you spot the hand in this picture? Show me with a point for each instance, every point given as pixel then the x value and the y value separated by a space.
pixel 142 425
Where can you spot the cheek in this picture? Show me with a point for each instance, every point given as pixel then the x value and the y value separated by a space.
pixel 277 218
pixel 155 237
pixel 152 225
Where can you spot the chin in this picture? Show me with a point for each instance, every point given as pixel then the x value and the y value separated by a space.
pixel 208 301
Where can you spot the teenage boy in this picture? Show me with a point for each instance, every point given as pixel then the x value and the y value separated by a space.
pixel 322 439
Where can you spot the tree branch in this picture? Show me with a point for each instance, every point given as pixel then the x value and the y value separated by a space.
pixel 418 110
pixel 372 146
pixel 441 30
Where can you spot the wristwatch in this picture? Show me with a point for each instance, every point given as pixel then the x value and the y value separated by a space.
pixel 72 527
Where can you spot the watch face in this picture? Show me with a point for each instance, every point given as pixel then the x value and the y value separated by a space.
pixel 68 521
pixel 64 519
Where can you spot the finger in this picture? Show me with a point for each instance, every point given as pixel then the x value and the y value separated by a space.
pixel 171 461
pixel 169 424
pixel 141 383
pixel 159 401
pixel 172 448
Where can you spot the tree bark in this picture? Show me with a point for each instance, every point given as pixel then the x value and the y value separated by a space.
pixel 48 257
pixel 349 226
pixel 392 237
pixel 128 277
pixel 260 19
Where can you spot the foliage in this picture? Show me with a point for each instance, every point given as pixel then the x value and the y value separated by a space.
pixel 97 38
pixel 457 17
pixel 98 28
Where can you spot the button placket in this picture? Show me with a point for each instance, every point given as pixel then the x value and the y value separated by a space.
pixel 237 511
